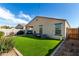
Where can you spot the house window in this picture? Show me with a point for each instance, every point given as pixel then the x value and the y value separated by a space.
pixel 40 29
pixel 58 28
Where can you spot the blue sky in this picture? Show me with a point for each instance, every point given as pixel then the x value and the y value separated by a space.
pixel 13 14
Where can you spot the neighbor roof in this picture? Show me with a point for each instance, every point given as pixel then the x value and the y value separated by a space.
pixel 49 18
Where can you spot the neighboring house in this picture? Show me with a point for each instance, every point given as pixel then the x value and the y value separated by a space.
pixel 52 27
pixel 20 26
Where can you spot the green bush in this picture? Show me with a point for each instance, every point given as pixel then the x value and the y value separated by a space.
pixel 1 34
pixel 6 43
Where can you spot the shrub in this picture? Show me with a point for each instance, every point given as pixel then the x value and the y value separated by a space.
pixel 1 34
pixel 6 43
pixel 44 36
pixel 21 32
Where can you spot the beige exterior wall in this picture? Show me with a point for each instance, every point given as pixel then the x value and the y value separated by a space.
pixel 66 27
pixel 51 29
pixel 48 26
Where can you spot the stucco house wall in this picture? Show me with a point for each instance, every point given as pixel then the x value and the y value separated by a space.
pixel 66 28
pixel 49 26
pixel 51 30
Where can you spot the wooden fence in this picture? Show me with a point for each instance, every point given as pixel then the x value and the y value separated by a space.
pixel 73 33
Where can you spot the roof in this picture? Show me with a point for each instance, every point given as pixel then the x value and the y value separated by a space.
pixel 49 18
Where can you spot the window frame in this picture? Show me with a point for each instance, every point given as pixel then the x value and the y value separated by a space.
pixel 59 26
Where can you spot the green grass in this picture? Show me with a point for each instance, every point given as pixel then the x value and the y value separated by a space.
pixel 33 46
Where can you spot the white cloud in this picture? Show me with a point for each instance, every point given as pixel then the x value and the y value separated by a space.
pixel 24 16
pixel 5 14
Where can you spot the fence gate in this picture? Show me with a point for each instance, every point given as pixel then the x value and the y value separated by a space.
pixel 73 33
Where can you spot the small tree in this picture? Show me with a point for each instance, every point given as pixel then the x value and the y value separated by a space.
pixel 5 27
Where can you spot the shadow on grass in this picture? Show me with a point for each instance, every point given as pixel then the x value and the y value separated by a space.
pixel 53 49
pixel 38 38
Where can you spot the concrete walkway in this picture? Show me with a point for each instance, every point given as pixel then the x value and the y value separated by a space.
pixel 10 53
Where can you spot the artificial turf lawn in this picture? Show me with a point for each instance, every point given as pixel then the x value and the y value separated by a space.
pixel 33 46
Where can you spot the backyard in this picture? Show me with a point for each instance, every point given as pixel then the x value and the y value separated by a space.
pixel 34 46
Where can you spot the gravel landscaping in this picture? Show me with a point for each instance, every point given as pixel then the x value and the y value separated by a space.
pixel 69 48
